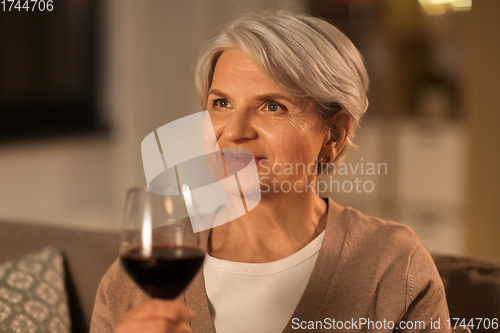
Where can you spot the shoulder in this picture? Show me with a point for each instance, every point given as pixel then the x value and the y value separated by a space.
pixel 385 248
pixel 377 235
pixel 382 261
pixel 400 264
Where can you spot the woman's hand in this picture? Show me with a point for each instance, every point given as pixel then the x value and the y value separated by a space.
pixel 156 316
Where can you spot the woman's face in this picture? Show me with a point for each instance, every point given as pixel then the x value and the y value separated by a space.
pixel 249 111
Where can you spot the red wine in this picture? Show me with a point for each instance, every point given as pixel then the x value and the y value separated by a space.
pixel 167 272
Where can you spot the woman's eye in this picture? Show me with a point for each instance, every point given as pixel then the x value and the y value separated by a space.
pixel 273 107
pixel 221 103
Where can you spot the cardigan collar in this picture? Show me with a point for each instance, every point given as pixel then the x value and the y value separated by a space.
pixel 322 275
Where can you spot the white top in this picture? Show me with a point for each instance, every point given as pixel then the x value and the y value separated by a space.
pixel 249 298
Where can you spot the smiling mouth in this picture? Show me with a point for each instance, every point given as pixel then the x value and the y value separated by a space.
pixel 231 159
pixel 240 159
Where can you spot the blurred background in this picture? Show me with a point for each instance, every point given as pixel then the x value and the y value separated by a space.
pixel 82 85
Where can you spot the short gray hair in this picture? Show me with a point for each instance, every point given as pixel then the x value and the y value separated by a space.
pixel 305 56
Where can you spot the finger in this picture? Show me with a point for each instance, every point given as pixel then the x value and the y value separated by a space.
pixel 161 309
pixel 152 326
pixel 181 328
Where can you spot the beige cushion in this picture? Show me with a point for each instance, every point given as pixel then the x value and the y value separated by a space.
pixel 33 295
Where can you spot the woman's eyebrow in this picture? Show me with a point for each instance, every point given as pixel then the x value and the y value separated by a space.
pixel 275 96
pixel 217 92
pixel 264 97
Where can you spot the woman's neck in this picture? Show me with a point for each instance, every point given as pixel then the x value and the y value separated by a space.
pixel 277 227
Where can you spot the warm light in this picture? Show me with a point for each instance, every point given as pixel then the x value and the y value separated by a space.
pixel 169 205
pixel 461 5
pixel 147 227
pixel 188 199
pixel 439 7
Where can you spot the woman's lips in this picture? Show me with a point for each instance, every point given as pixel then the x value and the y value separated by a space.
pixel 240 159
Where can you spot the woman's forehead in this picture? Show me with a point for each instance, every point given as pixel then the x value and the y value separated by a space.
pixel 236 71
pixel 236 64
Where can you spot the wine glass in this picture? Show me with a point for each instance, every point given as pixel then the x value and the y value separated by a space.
pixel 158 248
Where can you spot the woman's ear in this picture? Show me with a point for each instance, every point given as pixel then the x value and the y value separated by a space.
pixel 340 125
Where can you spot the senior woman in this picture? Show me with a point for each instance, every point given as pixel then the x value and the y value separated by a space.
pixel 291 89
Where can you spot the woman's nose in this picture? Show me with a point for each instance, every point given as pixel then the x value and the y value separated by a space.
pixel 239 126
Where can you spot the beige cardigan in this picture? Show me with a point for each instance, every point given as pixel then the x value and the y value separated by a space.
pixel 367 269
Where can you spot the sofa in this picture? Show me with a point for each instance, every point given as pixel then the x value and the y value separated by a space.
pixel 472 285
pixel 87 254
